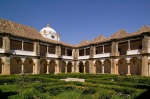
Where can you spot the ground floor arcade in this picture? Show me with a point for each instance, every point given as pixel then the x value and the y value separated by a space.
pixel 123 66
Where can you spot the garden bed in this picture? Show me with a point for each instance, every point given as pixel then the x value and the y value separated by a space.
pixel 95 86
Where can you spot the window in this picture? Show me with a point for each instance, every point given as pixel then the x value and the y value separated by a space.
pixel 53 36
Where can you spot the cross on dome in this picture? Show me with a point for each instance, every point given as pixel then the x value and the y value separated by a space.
pixel 48 25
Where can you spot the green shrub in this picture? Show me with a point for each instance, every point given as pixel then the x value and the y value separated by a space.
pixel 105 94
pixel 28 93
pixel 41 88
pixel 89 91
pixel 7 80
pixel 55 90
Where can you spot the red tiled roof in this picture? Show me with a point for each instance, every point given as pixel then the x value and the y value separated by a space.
pixel 98 38
pixel 118 34
pixel 83 43
pixel 142 29
pixel 20 30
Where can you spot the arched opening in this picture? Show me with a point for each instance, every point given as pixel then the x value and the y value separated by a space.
pixel 135 66
pixel 43 66
pixel 81 67
pixel 63 65
pixel 122 66
pixel 28 65
pixel 69 66
pixel 87 66
pixel 98 65
pixel 0 65
pixel 15 65
pixel 107 67
pixel 52 66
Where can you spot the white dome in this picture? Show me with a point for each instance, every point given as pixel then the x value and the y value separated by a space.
pixel 49 33
pixel 47 30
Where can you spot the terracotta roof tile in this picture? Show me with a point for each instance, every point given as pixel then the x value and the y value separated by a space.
pixel 142 29
pixel 118 34
pixel 20 30
pixel 98 38
pixel 83 43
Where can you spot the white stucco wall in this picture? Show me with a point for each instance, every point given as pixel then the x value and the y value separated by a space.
pixel 102 55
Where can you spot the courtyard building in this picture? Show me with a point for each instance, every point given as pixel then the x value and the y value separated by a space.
pixel 24 49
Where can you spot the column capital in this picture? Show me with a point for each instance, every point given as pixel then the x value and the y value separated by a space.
pixel 2 63
pixel 102 64
pixel 22 61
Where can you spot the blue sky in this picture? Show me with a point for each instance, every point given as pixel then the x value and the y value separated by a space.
pixel 77 20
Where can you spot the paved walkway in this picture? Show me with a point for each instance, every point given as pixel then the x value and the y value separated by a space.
pixel 73 79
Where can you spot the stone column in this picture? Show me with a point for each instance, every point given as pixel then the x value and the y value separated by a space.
pixel 77 71
pixel 91 66
pixel 65 68
pixel 114 48
pixel 58 51
pixel 57 66
pixel 47 70
pixel 22 67
pixel 55 69
pixel 37 59
pixel 94 50
pixel 149 69
pixel 128 62
pixel 72 68
pixel 114 53
pixel 47 49
pixel 84 52
pixel 128 44
pixel 94 69
pixel 84 68
pixel 145 46
pixel 102 68
pixel 2 68
pixel 6 47
pixel 6 66
pixel 75 54
pixel 65 51
pixel 117 69
pixel 76 67
pixel 113 66
pixel 6 43
pixel 58 61
pixel 92 53
pixel 144 65
pixel 22 45
pixel 37 48
pixel 103 49
pixel 37 66
pixel 33 68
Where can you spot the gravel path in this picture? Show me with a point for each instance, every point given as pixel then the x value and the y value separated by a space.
pixel 74 79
